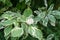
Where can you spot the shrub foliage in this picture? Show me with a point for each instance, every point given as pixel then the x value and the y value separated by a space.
pixel 29 20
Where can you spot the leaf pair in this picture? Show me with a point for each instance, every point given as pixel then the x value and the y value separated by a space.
pixel 13 32
pixel 33 31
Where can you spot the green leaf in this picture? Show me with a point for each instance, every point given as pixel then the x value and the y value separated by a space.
pixel 25 27
pixel 7 37
pixel 7 30
pixel 1 27
pixel 56 13
pixel 56 37
pixel 21 18
pixel 27 12
pixel 16 24
pixel 52 20
pixel 33 31
pixel 42 15
pixel 7 22
pixel 49 37
pixel 51 7
pixel 8 15
pixel 14 38
pixel 37 12
pixel 39 17
pixel 17 32
pixel 17 14
pixel 45 21
pixel 27 1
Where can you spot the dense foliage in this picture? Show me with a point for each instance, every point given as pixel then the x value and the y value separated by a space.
pixel 29 20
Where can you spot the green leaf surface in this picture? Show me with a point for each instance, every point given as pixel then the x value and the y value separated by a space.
pixel 51 7
pixel 49 37
pixel 45 21
pixel 7 30
pixel 14 38
pixel 27 12
pixel 22 18
pixel 42 15
pixel 27 1
pixel 56 37
pixel 7 22
pixel 8 15
pixel 39 17
pixel 17 32
pixel 33 31
pixel 1 27
pixel 37 12
pixel 56 14
pixel 52 20
pixel 25 27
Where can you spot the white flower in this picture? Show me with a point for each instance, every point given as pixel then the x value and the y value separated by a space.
pixel 29 21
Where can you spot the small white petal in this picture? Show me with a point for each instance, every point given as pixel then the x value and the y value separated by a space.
pixel 30 21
